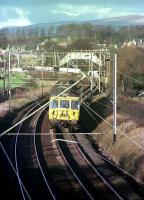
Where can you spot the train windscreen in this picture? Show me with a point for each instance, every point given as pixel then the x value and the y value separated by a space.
pixel 64 104
pixel 53 104
pixel 75 105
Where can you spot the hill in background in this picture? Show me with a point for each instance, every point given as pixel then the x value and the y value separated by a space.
pixel 51 29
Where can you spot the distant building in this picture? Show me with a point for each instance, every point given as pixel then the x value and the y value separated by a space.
pixel 133 43
pixel 141 43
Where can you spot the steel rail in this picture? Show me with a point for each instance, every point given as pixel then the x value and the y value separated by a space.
pixel 96 171
pixel 77 178
pixel 34 105
pixel 16 143
pixel 37 156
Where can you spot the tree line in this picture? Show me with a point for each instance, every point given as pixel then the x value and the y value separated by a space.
pixel 69 33
pixel 131 70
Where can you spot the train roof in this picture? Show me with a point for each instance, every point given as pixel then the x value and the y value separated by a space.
pixel 65 98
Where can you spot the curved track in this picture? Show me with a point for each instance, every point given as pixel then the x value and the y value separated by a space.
pixel 123 182
pixel 84 170
pixel 27 111
pixel 25 134
pixel 121 185
pixel 77 177
pixel 49 168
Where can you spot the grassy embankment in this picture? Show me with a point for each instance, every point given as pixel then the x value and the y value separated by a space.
pixel 130 130
pixel 23 93
pixel 16 80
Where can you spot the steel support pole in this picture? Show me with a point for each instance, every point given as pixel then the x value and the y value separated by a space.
pixel 42 73
pixel 4 79
pixel 91 69
pixel 114 98
pixel 9 85
pixel 99 83
pixel 18 57
pixel 91 86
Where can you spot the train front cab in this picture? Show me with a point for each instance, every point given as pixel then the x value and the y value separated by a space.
pixel 64 111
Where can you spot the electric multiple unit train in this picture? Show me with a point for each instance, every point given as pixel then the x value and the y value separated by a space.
pixel 64 110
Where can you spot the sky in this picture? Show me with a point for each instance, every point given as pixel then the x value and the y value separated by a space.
pixel 27 12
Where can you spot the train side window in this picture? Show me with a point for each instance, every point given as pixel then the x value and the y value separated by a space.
pixel 64 104
pixel 75 105
pixel 54 104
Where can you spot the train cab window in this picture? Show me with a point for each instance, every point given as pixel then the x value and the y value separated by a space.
pixel 75 105
pixel 64 104
pixel 54 104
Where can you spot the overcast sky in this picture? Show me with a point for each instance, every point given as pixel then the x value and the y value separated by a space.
pixel 26 12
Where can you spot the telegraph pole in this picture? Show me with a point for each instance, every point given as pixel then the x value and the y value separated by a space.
pixel 99 74
pixel 42 73
pixel 9 86
pixel 4 78
pixel 114 98
pixel 92 74
pixel 18 58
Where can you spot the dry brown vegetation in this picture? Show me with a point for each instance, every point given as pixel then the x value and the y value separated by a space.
pixel 130 70
pixel 130 130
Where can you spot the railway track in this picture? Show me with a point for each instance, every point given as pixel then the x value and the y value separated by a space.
pixel 13 185
pixel 28 166
pixel 32 166
pixel 24 113
pixel 92 181
pixel 121 185
pixel 66 184
pixel 49 168
pixel 123 182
